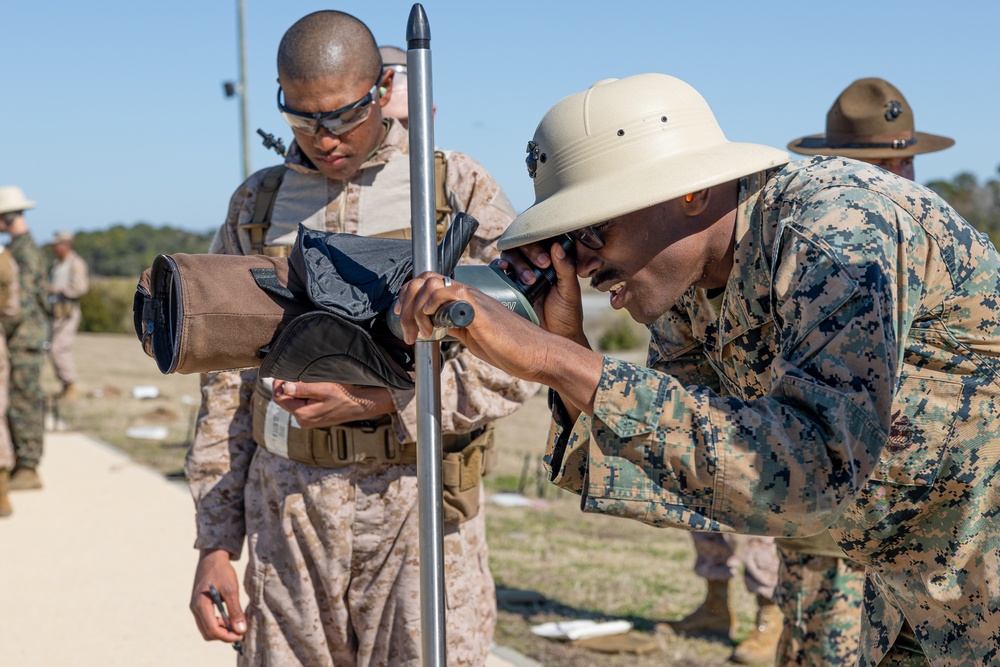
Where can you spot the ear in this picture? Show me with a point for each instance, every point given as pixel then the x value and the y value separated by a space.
pixel 695 203
pixel 385 88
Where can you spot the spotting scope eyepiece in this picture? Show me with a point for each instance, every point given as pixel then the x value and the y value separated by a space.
pixel 514 294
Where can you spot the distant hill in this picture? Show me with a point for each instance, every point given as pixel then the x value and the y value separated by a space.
pixel 128 251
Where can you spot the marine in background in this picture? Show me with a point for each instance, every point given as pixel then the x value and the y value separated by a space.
pixel 10 309
pixel 27 339
pixel 68 281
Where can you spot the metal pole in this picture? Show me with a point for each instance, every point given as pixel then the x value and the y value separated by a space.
pixel 244 117
pixel 428 358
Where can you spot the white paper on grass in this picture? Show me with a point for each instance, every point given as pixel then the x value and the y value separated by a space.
pixel 510 500
pixel 582 629
pixel 147 432
pixel 145 391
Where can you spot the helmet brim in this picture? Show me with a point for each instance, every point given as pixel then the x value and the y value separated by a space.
pixel 623 191
pixel 816 144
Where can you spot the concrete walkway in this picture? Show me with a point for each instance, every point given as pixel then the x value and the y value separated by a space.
pixel 96 568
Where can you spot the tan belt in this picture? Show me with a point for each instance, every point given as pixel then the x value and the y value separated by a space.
pixel 340 446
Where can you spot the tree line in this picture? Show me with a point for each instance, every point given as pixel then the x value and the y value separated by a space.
pixel 116 257
pixel 128 251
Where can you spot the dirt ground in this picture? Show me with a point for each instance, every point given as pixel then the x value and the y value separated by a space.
pixel 551 562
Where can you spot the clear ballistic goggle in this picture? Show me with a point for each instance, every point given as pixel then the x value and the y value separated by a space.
pixel 337 121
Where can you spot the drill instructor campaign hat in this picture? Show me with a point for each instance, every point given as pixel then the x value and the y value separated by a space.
pixel 870 119
pixel 12 200
pixel 623 145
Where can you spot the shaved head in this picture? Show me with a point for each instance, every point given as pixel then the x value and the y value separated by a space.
pixel 328 43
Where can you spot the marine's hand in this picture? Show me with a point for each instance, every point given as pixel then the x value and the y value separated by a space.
pixel 323 404
pixel 519 262
pixel 215 568
pixel 559 310
pixel 496 335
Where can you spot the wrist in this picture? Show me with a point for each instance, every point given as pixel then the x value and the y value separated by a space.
pixel 216 554
pixel 573 372
pixel 379 401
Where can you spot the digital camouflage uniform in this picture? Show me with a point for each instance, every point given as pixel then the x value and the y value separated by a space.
pixel 333 576
pixel 70 281
pixel 26 340
pixel 857 348
pixel 821 596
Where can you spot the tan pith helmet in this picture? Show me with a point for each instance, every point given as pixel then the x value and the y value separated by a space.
pixel 870 120
pixel 623 145
pixel 12 200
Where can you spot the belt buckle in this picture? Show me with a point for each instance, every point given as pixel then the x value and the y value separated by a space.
pixel 341 444
pixel 393 450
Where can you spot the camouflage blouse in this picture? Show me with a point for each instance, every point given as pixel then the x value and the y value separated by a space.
pixel 848 380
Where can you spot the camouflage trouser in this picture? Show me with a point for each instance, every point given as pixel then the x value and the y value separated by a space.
pixel 61 350
pixel 888 634
pixel 821 598
pixel 333 576
pixel 26 414
pixel 718 558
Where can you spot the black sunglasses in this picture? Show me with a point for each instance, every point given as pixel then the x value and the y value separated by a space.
pixel 589 236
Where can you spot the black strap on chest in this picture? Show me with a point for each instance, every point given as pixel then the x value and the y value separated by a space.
pixel 260 222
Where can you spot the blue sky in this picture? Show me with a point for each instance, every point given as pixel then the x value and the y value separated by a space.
pixel 113 110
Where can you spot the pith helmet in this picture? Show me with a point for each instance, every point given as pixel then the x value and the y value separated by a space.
pixel 870 119
pixel 623 145
pixel 12 200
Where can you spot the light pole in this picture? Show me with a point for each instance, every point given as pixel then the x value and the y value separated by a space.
pixel 239 87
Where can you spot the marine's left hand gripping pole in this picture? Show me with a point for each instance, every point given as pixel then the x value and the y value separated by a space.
pixel 427 353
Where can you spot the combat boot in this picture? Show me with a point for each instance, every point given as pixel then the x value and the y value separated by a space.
pixel 25 479
pixel 69 393
pixel 5 508
pixel 714 616
pixel 762 644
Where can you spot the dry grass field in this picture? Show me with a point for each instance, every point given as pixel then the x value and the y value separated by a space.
pixel 551 562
